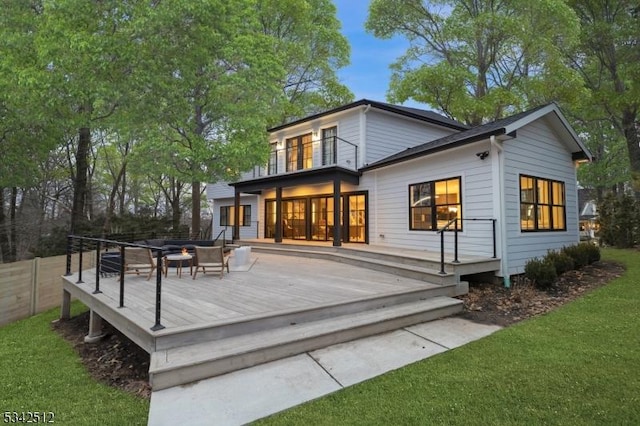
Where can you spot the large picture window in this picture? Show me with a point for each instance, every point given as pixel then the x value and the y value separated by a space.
pixel 433 204
pixel 542 204
pixel 227 215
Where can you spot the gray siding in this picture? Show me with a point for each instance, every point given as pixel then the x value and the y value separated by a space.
pixel 389 200
pixel 387 134
pixel 537 152
pixel 245 231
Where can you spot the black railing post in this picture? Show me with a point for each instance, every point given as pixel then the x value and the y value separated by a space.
pixel 80 264
pixel 442 272
pixel 121 276
pixel 98 265
pixel 69 252
pixel 455 242
pixel 158 326
pixel 493 222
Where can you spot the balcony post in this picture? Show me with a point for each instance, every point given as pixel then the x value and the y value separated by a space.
pixel 278 230
pixel 337 229
pixel 236 216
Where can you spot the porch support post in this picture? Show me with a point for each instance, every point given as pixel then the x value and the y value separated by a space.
pixel 278 236
pixel 95 328
pixel 236 215
pixel 337 214
pixel 65 308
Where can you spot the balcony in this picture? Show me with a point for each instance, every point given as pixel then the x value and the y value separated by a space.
pixel 315 154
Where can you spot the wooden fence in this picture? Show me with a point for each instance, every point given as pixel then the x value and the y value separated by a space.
pixel 33 286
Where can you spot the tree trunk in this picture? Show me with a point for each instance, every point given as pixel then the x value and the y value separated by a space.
pixel 111 206
pixel 195 214
pixel 633 145
pixel 13 250
pixel 80 182
pixel 4 230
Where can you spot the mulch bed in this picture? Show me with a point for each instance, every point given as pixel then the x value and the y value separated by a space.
pixel 118 362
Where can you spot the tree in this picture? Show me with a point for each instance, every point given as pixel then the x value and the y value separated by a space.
pixel 218 78
pixel 307 37
pixel 85 72
pixel 610 65
pixel 478 60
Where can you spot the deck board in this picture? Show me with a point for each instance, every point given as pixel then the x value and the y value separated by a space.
pixel 274 283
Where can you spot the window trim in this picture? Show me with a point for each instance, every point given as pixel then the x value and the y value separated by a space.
pixel 550 206
pixel 434 207
pixel 245 213
pixel 298 145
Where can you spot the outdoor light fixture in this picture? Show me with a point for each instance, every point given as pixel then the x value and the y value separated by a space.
pixel 482 155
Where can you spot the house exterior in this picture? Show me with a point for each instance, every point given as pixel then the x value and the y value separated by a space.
pixel 393 176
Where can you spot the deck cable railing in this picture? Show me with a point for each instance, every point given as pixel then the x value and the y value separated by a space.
pixel 80 245
pixel 456 230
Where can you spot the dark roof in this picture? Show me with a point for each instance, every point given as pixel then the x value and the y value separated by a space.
pixel 419 114
pixel 467 136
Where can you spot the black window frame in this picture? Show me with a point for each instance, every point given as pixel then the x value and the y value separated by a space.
pixel 227 217
pixel 329 146
pixel 535 204
pixel 431 209
pixel 303 148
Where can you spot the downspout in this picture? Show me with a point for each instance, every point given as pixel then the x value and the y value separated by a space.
pixel 363 137
pixel 504 264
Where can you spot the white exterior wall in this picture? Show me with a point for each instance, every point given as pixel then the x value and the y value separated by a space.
pixel 387 134
pixel 537 152
pixel 389 200
pixel 245 231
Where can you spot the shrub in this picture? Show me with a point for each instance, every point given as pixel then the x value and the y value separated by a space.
pixel 593 252
pixel 561 261
pixel 579 255
pixel 541 272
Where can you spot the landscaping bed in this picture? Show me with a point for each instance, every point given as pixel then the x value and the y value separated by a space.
pixel 117 361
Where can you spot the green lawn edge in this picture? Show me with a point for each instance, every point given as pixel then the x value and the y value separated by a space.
pixel 42 373
pixel 576 365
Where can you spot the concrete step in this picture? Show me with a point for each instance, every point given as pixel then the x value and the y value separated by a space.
pixel 188 335
pixel 187 364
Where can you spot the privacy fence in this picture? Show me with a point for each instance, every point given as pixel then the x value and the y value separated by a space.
pixel 33 286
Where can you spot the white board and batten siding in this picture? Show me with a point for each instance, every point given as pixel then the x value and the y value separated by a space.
pixel 388 134
pixel 538 152
pixel 389 200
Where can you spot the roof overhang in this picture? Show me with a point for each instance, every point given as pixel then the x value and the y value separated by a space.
pixel 305 177
pixel 559 123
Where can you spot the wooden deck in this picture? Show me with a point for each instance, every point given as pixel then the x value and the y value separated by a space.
pixel 274 285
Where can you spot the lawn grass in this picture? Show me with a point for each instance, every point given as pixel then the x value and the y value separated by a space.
pixel 577 365
pixel 41 372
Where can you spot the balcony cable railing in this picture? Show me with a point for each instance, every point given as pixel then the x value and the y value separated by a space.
pixel 312 154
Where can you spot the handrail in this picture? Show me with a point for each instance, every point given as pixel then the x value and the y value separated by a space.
pixel 99 242
pixel 447 226
pixel 273 165
pixel 224 237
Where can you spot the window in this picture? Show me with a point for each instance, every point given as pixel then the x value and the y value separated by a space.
pixel 433 204
pixel 542 204
pixel 329 137
pixel 273 160
pixel 227 215
pixel 299 153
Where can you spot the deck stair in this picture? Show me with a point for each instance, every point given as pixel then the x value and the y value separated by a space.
pixel 413 264
pixel 267 339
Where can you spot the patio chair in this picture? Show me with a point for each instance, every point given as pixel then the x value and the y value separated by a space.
pixel 212 259
pixel 138 259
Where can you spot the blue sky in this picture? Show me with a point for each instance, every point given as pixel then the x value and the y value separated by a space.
pixel 369 74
